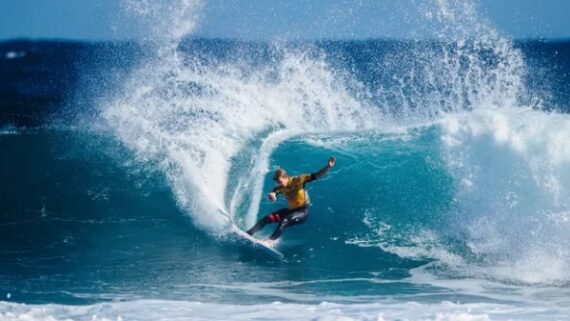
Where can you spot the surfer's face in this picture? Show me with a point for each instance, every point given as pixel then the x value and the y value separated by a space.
pixel 283 180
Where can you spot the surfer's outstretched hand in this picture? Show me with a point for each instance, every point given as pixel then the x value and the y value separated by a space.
pixel 272 196
pixel 332 160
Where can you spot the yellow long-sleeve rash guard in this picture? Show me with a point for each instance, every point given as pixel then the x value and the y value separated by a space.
pixel 295 192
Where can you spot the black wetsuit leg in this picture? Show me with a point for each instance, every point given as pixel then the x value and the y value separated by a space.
pixel 297 216
pixel 274 217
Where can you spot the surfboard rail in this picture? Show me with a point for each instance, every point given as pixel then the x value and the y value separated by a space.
pixel 255 242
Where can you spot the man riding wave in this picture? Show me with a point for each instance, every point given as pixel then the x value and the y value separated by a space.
pixel 293 189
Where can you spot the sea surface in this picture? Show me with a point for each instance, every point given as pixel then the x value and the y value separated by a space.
pixel 124 164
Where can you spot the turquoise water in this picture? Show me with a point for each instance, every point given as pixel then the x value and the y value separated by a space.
pixel 383 228
pixel 96 220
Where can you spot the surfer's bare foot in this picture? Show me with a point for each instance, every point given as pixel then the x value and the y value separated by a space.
pixel 268 242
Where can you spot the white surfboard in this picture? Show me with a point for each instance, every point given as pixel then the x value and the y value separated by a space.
pixel 256 243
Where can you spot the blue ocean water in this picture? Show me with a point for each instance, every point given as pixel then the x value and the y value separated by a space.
pixel 124 164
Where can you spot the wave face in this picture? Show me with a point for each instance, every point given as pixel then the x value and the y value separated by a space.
pixel 452 181
pixel 194 115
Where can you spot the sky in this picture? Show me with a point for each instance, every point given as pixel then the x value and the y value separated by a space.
pixel 268 19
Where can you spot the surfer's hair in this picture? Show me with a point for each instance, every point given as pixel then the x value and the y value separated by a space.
pixel 280 172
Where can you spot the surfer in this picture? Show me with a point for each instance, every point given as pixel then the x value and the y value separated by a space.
pixel 293 189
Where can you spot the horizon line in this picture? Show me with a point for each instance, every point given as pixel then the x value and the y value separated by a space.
pixel 267 40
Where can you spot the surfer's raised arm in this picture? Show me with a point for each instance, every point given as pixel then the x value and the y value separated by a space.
pixel 325 169
pixel 282 179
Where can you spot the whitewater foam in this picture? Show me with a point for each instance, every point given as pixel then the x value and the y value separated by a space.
pixel 195 119
pixel 513 187
pixel 176 310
